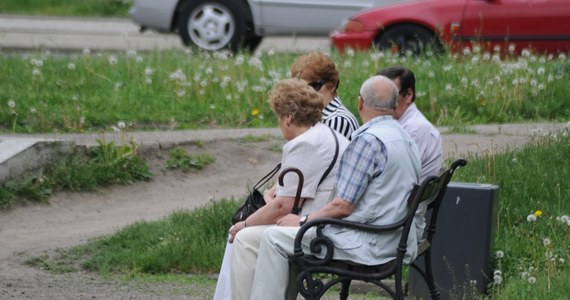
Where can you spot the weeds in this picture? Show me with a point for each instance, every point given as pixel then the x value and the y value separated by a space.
pixel 82 170
pixel 96 8
pixel 180 159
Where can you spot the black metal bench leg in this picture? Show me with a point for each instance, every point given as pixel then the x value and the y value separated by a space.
pixel 344 289
pixel 433 291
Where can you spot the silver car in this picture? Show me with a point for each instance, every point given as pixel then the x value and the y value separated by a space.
pixel 235 24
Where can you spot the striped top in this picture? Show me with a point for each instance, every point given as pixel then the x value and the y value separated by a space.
pixel 339 118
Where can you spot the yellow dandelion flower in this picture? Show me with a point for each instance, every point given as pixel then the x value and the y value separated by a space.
pixel 538 213
pixel 255 112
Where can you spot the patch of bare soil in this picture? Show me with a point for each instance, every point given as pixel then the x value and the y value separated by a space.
pixel 73 218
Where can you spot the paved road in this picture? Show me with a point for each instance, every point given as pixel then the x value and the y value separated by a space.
pixel 106 34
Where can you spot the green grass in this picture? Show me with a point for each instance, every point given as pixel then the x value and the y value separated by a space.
pixel 92 8
pixel 530 179
pixel 185 89
pixel 180 159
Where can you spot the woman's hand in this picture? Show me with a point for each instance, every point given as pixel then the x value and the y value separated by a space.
pixel 235 229
pixel 289 220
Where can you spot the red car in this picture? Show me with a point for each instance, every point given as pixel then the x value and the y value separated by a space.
pixel 513 25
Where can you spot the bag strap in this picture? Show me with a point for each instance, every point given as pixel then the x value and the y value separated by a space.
pixel 296 209
pixel 266 178
pixel 334 158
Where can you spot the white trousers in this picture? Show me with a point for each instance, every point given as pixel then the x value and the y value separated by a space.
pixel 272 274
pixel 244 257
pixel 223 286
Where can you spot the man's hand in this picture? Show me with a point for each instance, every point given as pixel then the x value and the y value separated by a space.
pixel 234 230
pixel 289 220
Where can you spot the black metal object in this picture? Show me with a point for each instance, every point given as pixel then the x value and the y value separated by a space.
pixel 311 286
pixel 461 252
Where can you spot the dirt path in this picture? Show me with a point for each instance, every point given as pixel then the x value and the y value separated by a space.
pixel 73 218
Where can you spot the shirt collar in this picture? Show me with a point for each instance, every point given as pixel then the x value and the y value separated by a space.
pixel 369 124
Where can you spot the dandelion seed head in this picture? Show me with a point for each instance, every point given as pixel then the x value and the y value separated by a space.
pixel 525 53
pixel 524 275
pixel 86 51
pixel 148 71
pixel 131 53
pixel 540 71
pixel 531 218
pixel 546 241
pixel 548 254
pixel 121 124
pixel 499 254
pixel 33 110
pixel 564 218
pixel 531 279
pixel 148 81
pixel 350 52
pixel 512 48
pixel 112 60
pixel 71 66
pixel 36 72
pixel 180 93
pixel 11 103
pixel 466 51
pixel 498 279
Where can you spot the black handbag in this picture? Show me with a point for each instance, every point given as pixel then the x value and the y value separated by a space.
pixel 255 201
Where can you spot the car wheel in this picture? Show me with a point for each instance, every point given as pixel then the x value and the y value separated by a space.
pixel 403 39
pixel 213 25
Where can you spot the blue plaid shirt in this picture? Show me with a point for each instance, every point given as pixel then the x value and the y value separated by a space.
pixel 363 160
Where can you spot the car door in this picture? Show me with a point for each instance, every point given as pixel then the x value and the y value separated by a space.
pixel 306 17
pixel 541 25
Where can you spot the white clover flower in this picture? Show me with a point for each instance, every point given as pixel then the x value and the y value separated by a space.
pixel 121 124
pixel 532 280
pixel 112 60
pixel 36 72
pixel 71 66
pixel 11 103
pixel 564 218
pixel 498 279
pixel 499 254
pixel 531 218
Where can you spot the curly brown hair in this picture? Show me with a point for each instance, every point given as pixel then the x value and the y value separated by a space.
pixel 315 66
pixel 294 97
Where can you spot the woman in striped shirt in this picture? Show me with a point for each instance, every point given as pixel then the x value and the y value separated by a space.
pixel 321 74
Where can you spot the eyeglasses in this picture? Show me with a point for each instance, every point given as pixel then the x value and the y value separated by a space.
pixel 317 85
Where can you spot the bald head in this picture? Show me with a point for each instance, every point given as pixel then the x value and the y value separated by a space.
pixel 379 93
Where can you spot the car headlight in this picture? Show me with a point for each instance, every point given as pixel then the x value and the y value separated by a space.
pixel 352 26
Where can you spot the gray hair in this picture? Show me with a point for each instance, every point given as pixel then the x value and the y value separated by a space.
pixel 379 92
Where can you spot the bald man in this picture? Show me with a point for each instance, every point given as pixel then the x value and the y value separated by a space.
pixel 376 175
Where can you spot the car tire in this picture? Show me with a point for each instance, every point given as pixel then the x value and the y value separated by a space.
pixel 213 24
pixel 402 39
